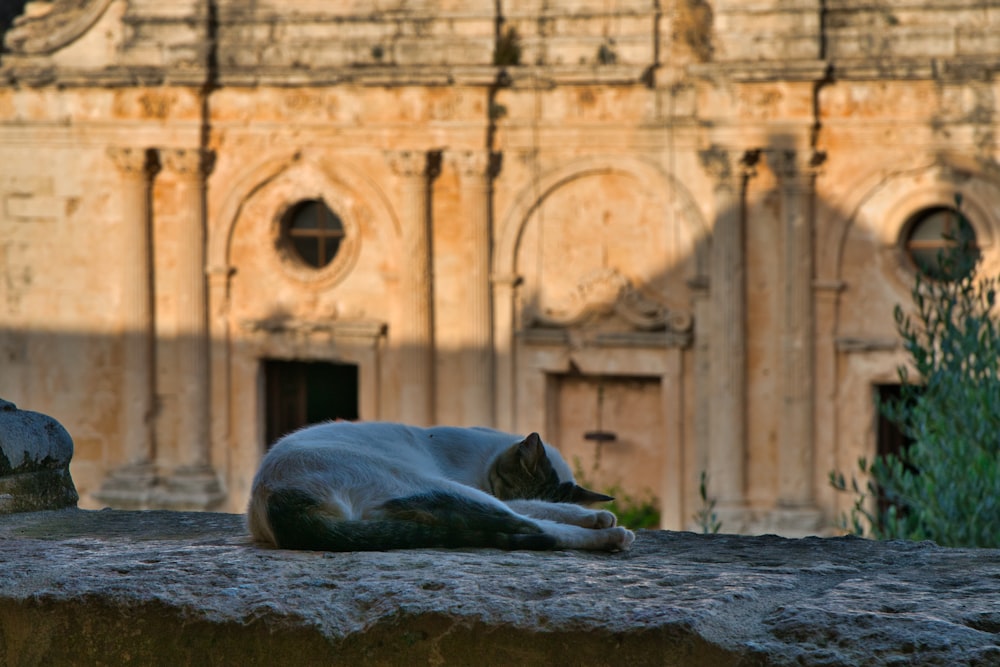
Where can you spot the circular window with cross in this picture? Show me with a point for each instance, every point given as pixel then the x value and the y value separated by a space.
pixel 941 243
pixel 313 233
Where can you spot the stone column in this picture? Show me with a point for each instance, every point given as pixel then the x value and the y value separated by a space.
pixel 504 289
pixel 131 485
pixel 477 335
pixel 193 484
pixel 219 278
pixel 795 171
pixel 727 372
pixel 703 403
pixel 827 294
pixel 415 335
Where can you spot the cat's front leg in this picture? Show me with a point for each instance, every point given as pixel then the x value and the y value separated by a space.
pixel 575 537
pixel 568 513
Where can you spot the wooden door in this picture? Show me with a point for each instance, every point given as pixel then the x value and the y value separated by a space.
pixel 611 429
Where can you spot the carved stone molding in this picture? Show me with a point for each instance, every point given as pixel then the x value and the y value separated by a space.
pixel 726 166
pixel 188 162
pixel 792 165
pixel 408 163
pixel 477 163
pixel 606 293
pixel 471 163
pixel 133 161
pixel 49 26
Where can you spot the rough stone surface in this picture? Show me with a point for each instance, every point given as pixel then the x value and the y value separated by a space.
pixel 35 452
pixel 114 587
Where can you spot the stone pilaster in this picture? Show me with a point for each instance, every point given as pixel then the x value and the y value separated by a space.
pixel 795 171
pixel 219 278
pixel 131 485
pixel 827 298
pixel 504 290
pixel 727 338
pixel 194 484
pixel 415 336
pixel 474 169
pixel 703 404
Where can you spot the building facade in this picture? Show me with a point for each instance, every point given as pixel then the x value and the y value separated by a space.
pixel 668 235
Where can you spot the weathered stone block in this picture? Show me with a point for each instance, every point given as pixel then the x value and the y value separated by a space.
pixel 35 451
pixel 113 587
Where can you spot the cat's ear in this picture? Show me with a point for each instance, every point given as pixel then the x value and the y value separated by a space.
pixel 531 451
pixel 582 496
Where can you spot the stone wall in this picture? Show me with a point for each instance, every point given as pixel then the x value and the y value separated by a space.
pixel 174 588
pixel 677 223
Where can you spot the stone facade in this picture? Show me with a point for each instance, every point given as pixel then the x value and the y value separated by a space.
pixel 667 235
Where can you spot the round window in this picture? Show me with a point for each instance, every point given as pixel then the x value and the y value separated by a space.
pixel 941 243
pixel 313 232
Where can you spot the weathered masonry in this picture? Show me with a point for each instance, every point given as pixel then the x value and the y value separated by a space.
pixel 667 234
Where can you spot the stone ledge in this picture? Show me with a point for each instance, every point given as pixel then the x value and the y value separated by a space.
pixel 161 587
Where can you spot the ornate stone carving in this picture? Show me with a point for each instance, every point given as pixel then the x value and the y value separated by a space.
pixel 49 26
pixel 725 165
pixel 479 163
pixel 606 293
pixel 791 165
pixel 408 163
pixel 133 161
pixel 188 162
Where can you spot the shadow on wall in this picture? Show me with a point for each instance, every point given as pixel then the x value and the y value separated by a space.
pixel 78 377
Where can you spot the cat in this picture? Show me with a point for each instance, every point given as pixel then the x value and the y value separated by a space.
pixel 373 486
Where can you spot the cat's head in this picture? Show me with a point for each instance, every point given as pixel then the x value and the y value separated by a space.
pixel 525 470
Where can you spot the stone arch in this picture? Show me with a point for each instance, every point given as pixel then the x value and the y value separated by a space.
pixel 866 266
pixel 62 25
pixel 656 181
pixel 264 308
pixel 264 173
pixel 552 361
pixel 886 205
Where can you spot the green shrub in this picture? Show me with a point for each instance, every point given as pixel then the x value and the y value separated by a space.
pixel 945 486
pixel 635 512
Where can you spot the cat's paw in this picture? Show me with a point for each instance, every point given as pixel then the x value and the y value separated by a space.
pixel 616 539
pixel 600 519
pixel 619 539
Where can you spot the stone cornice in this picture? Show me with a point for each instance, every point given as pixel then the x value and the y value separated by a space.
pixel 339 329
pixel 959 68
pixel 756 71
pixel 39 72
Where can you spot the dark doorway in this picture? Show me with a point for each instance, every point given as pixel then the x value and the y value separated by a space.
pixel 890 438
pixel 297 393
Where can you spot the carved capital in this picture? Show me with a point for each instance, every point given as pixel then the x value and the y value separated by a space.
pixel 792 165
pixel 728 166
pixel 133 161
pixel 188 162
pixel 408 163
pixel 472 163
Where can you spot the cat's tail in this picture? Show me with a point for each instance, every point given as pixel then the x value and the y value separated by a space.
pixel 436 519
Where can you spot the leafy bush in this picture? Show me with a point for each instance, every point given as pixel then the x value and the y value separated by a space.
pixel 945 486
pixel 635 512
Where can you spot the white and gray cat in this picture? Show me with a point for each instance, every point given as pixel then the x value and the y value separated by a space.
pixel 372 486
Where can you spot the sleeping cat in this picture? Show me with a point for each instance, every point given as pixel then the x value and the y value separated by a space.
pixel 346 486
